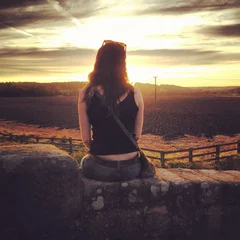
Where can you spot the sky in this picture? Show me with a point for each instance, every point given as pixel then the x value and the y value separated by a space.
pixel 182 42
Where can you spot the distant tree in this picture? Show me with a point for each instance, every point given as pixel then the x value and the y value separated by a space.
pixel 33 89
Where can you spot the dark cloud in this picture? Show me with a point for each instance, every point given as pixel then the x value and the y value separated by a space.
pixel 172 52
pixel 190 6
pixel 185 56
pixel 68 4
pixel 47 53
pixel 34 61
pixel 19 3
pixel 16 62
pixel 86 57
pixel 67 52
pixel 232 30
pixel 20 17
pixel 22 13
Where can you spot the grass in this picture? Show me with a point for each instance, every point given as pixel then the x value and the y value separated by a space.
pixel 226 163
pixel 147 141
pixel 229 163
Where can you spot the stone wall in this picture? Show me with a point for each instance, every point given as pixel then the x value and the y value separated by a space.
pixel 44 196
pixel 40 191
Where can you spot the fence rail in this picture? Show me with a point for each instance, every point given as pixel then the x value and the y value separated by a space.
pixel 73 145
pixel 69 144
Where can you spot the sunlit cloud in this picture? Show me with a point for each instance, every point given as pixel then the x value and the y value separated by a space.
pixel 25 33
pixel 63 12
pixel 184 42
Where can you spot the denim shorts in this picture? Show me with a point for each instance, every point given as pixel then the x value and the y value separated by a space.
pixel 96 168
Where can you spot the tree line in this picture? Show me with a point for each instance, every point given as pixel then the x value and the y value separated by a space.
pixel 34 89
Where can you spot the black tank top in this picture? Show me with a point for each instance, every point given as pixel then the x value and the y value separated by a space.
pixel 108 137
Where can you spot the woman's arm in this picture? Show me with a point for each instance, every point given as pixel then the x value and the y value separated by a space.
pixel 139 119
pixel 83 120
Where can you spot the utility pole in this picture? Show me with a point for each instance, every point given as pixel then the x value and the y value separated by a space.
pixel 155 99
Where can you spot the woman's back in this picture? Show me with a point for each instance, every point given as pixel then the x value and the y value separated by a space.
pixel 107 137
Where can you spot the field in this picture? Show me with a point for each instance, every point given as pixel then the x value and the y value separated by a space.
pixel 173 116
pixel 178 122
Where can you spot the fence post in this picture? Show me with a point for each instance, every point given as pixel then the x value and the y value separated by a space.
pixel 52 140
pixel 21 138
pixel 37 139
pixel 70 145
pixel 162 159
pixel 238 147
pixel 10 137
pixel 190 155
pixel 217 152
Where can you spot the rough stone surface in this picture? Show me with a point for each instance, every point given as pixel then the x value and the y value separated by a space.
pixel 45 196
pixel 177 204
pixel 40 192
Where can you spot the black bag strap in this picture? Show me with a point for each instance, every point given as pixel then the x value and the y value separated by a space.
pixel 118 121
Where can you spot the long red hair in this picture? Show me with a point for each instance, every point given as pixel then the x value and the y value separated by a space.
pixel 110 73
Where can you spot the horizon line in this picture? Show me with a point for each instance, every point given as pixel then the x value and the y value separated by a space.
pixel 204 86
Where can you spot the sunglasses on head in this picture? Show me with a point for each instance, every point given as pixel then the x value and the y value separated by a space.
pixel 118 43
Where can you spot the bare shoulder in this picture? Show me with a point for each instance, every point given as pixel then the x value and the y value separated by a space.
pixel 83 90
pixel 82 93
pixel 138 96
pixel 137 92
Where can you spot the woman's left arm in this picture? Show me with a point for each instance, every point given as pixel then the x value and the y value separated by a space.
pixel 139 118
pixel 83 120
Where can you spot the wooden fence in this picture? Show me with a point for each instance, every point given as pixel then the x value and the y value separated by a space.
pixel 213 152
pixel 69 144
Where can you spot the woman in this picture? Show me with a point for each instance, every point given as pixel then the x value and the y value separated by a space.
pixel 113 157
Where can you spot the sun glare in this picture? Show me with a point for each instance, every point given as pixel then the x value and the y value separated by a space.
pixel 157 31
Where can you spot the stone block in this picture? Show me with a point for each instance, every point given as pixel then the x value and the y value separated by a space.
pixel 40 190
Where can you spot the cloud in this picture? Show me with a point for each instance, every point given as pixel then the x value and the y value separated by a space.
pixel 63 12
pixel 42 61
pixel 172 52
pixel 20 17
pixel 64 57
pixel 17 3
pixel 22 13
pixel 25 33
pixel 167 57
pixel 64 62
pixel 231 30
pixel 67 4
pixel 189 6
pixel 47 53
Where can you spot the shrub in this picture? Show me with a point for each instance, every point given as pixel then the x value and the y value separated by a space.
pixel 229 163
pixel 177 164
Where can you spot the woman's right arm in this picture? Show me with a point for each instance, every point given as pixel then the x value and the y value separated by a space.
pixel 83 120
pixel 139 118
